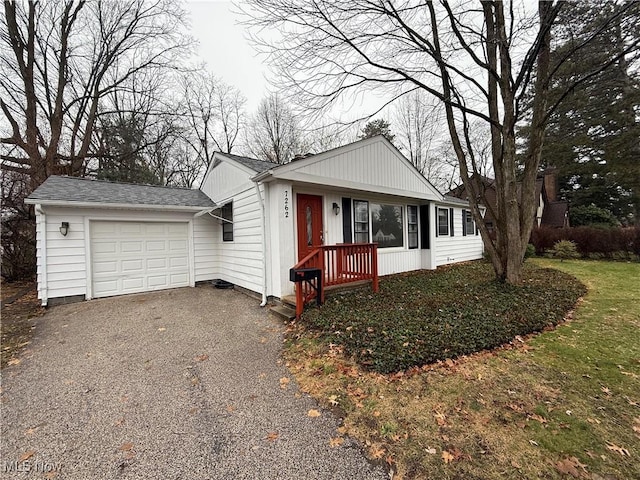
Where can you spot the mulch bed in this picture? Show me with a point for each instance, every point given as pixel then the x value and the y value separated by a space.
pixel 20 306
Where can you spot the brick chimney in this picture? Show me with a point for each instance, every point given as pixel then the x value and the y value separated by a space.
pixel 551 183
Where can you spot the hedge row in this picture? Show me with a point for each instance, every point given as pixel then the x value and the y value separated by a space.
pixel 590 241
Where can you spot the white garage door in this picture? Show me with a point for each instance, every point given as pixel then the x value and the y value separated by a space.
pixel 130 257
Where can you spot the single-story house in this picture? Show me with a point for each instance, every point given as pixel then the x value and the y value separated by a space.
pixel 249 223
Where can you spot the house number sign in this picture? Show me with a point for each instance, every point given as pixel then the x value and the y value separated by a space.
pixel 286 204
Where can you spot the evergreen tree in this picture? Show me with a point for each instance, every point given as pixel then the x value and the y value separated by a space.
pixel 593 137
pixel 377 127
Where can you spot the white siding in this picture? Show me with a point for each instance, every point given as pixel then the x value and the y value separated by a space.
pixel 456 248
pixel 371 166
pixel 206 232
pixel 225 180
pixel 240 261
pixel 67 257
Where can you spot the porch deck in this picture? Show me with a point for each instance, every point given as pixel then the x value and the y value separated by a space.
pixel 340 266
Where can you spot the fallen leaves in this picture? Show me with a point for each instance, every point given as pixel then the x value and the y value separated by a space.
pixel 128 450
pixel 440 418
pixel 537 418
pixel 284 383
pixel 572 466
pixel 272 436
pixel 447 457
pixel 26 456
pixel 619 450
pixel 202 358
pixel 333 400
pixel 376 452
pixel 313 413
pixel 336 442
pixel 14 361
pixel 605 390
pixel 636 428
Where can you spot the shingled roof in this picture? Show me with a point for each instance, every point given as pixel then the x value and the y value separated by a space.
pixel 254 164
pixel 84 190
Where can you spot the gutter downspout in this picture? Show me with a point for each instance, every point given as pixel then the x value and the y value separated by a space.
pixel 264 244
pixel 41 223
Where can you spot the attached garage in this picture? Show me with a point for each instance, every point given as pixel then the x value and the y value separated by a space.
pixel 100 239
pixel 132 257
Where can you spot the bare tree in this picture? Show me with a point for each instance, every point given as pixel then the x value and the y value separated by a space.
pixel 477 59
pixel 60 60
pixel 274 134
pixel 214 115
pixel 62 65
pixel 418 123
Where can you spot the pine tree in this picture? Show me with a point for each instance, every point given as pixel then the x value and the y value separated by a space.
pixel 593 137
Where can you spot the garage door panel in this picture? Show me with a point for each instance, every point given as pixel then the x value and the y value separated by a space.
pixel 132 265
pixel 177 245
pixel 105 267
pixel 131 257
pixel 104 247
pixel 156 245
pixel 131 246
pixel 177 262
pixel 155 263
pixel 179 278
pixel 156 281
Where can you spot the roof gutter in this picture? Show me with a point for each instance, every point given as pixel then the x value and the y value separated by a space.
pixel 136 206
pixel 262 176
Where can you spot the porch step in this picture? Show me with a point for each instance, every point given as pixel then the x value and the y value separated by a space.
pixel 284 312
pixel 289 300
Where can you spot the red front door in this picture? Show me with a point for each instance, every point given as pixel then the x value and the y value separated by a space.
pixel 309 219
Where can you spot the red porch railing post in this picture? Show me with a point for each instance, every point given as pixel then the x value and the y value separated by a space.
pixel 374 260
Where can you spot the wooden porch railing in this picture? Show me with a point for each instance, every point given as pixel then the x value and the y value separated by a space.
pixel 339 264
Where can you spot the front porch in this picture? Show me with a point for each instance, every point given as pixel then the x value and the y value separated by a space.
pixel 333 266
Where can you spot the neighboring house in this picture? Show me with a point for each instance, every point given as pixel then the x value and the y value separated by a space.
pixel 550 211
pixel 248 224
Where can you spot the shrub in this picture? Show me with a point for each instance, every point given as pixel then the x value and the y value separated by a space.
pixel 590 241
pixel 591 215
pixel 565 250
pixel 423 317
pixel 530 252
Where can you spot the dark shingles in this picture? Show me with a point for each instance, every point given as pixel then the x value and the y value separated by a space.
pixel 71 189
pixel 555 214
pixel 254 164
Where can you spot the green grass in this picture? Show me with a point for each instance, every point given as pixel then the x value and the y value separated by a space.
pixel 423 317
pixel 570 395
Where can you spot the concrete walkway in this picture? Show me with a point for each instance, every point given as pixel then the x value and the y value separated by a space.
pixel 179 384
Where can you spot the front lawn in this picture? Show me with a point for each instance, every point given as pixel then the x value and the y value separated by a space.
pixel 423 317
pixel 562 404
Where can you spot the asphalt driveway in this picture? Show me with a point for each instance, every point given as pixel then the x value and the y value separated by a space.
pixel 179 384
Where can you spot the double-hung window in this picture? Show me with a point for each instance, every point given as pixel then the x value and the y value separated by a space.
pixel 227 223
pixel 469 225
pixel 443 222
pixel 361 221
pixel 412 230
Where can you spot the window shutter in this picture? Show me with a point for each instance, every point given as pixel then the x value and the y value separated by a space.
pixel 347 236
pixel 464 223
pixel 451 222
pixel 424 227
pixel 437 226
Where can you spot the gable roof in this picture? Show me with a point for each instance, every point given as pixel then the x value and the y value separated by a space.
pixel 254 164
pixel 62 190
pixel 555 214
pixel 350 166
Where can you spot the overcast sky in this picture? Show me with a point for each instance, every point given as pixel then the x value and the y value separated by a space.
pixel 226 50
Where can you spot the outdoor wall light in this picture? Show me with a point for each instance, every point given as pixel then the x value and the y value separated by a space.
pixel 336 208
pixel 64 228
